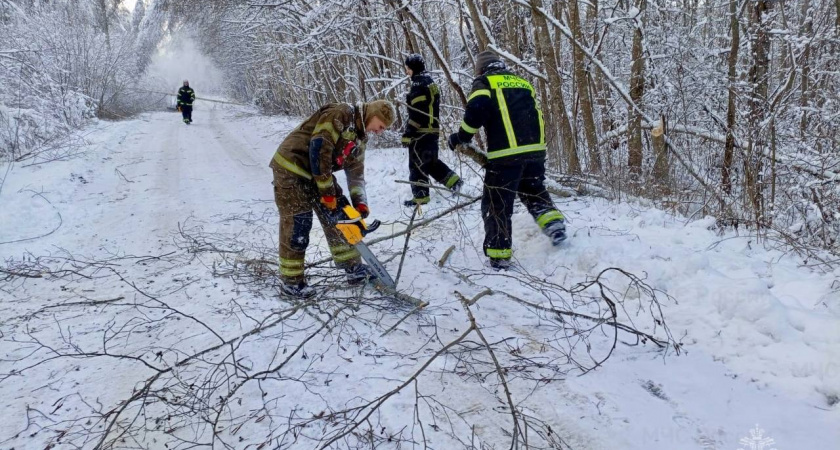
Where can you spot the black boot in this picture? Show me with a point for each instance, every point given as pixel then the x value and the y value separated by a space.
pixel 499 264
pixel 299 290
pixel 556 230
pixel 359 273
pixel 456 188
pixel 416 201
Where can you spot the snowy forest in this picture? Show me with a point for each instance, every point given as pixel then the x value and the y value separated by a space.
pixel 726 108
pixel 696 142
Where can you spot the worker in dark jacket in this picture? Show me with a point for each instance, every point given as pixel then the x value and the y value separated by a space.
pixel 507 107
pixel 186 97
pixel 422 132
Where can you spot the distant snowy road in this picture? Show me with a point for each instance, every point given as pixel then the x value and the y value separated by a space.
pixel 150 315
pixel 143 176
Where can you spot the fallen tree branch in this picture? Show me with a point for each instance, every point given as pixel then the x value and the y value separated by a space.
pixel 375 405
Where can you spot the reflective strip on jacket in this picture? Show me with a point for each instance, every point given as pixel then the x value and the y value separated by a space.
pixel 507 107
pixel 313 149
pixel 423 102
pixel 186 96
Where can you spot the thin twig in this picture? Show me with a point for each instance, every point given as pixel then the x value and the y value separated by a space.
pixel 405 246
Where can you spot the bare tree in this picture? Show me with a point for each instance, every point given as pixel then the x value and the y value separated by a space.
pixel 637 92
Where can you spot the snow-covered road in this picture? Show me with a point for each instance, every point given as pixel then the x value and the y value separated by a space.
pixel 114 323
pixel 142 176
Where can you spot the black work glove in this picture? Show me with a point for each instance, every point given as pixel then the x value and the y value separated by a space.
pixel 453 141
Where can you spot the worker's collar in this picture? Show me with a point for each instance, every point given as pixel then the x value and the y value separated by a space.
pixel 419 75
pixel 359 120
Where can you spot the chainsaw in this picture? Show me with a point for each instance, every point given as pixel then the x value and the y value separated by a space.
pixel 353 228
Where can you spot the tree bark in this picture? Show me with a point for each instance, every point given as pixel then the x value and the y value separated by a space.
pixel 758 108
pixel 582 84
pixel 805 92
pixel 481 31
pixel 837 17
pixel 637 92
pixel 410 40
pixel 553 99
pixel 731 111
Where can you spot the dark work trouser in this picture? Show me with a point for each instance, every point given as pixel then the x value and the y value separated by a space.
pixel 503 182
pixel 423 162
pixel 297 198
pixel 186 113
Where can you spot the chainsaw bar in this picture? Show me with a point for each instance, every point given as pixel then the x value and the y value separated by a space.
pixel 377 267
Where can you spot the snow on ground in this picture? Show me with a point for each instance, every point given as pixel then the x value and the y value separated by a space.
pixel 148 314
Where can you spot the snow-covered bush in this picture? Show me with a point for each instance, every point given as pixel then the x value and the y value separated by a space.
pixel 61 64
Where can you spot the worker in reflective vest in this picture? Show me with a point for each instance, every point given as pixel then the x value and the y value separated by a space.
pixel 422 134
pixel 331 139
pixel 507 107
pixel 186 97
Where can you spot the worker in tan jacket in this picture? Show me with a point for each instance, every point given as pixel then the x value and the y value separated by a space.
pixel 331 139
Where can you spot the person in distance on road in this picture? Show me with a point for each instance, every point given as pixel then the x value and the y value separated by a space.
pixel 186 97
